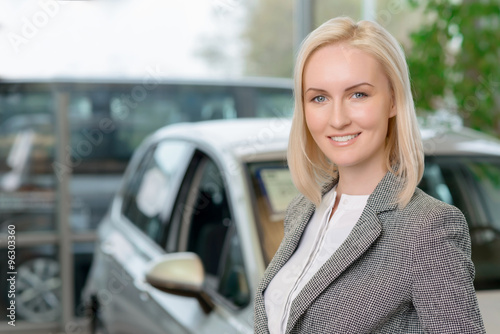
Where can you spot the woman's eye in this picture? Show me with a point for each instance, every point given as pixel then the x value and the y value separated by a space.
pixel 359 95
pixel 319 99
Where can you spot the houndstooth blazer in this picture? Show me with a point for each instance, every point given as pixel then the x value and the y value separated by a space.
pixel 399 271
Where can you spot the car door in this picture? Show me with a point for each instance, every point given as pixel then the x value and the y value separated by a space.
pixel 134 238
pixel 203 223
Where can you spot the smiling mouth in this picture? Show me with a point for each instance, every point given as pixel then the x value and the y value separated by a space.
pixel 342 139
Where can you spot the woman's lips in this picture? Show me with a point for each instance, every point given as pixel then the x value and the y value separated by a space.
pixel 344 138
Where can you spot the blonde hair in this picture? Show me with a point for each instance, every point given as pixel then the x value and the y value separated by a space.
pixel 310 168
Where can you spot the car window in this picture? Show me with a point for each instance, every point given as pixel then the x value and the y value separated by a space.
pixel 272 189
pixel 486 176
pixel 233 284
pixel 209 231
pixel 485 233
pixel 151 188
pixel 444 180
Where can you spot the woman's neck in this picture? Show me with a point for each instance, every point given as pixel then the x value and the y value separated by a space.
pixel 356 181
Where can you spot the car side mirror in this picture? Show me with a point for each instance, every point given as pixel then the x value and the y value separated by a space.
pixel 180 274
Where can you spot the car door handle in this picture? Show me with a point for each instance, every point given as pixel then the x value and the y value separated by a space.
pixel 107 248
pixel 143 289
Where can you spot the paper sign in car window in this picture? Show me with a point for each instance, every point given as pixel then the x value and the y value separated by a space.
pixel 277 187
pixel 153 192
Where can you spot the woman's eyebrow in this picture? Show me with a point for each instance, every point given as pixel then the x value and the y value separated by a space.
pixel 357 85
pixel 319 90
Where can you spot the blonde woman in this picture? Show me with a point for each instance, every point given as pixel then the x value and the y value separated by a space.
pixel 364 251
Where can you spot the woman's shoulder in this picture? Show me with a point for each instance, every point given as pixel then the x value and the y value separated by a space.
pixel 423 205
pixel 434 225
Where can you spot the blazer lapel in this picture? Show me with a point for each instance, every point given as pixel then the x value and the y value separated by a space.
pixel 288 245
pixel 297 222
pixel 364 233
pixel 291 238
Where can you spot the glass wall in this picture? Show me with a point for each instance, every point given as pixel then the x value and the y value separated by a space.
pixel 63 149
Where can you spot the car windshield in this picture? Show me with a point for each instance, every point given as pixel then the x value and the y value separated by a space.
pixel 273 189
pixel 470 183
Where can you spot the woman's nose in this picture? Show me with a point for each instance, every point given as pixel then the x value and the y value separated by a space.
pixel 339 116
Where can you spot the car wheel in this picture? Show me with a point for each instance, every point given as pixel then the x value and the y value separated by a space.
pixel 39 290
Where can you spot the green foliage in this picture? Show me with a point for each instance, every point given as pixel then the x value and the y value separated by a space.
pixel 269 37
pixel 454 61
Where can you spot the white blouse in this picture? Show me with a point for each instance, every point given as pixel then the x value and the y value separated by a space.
pixel 321 238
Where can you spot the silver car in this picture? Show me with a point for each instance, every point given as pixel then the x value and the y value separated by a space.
pixel 200 214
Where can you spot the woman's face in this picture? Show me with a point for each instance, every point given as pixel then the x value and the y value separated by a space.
pixel 347 104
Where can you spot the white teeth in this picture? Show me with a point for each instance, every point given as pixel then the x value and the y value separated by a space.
pixel 344 138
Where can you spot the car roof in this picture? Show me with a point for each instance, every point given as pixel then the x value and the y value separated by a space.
pixel 458 141
pixel 245 137
pixel 242 137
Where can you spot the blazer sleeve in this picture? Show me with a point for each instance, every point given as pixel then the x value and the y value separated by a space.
pixel 443 274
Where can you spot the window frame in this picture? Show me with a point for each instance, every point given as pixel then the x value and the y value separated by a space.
pixel 180 222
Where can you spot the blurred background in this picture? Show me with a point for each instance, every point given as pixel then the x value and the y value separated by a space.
pixel 82 83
